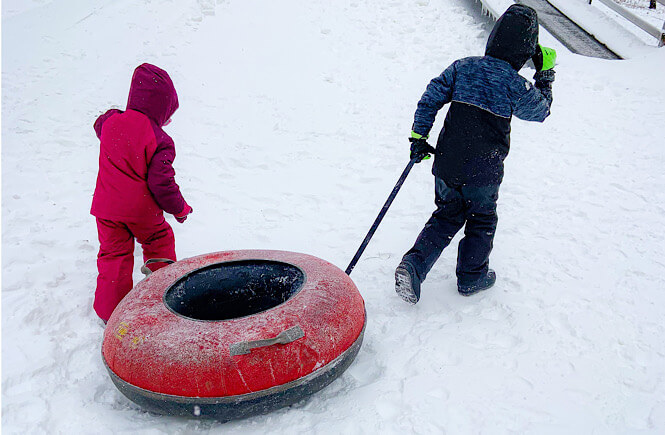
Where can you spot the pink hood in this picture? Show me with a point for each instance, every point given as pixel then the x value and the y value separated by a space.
pixel 152 93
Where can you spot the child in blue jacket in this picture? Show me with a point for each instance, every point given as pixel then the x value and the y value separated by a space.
pixel 483 92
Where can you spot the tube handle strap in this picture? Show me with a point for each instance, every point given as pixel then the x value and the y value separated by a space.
pixel 146 271
pixel 287 336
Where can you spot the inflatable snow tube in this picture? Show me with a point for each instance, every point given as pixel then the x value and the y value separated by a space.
pixel 232 334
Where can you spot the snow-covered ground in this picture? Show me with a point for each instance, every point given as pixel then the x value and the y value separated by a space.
pixel 291 133
pixel 642 9
pixel 616 32
pixel 639 8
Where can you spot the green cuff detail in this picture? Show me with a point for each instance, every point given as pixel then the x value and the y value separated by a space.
pixel 418 136
pixel 549 58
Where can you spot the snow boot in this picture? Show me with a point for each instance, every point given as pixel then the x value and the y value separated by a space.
pixel 482 284
pixel 407 283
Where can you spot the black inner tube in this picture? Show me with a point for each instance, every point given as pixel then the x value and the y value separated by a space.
pixel 233 289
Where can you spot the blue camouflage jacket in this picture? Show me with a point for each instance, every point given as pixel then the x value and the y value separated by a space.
pixel 484 93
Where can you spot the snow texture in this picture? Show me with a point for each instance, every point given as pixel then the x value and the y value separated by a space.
pixel 291 133
pixel 617 33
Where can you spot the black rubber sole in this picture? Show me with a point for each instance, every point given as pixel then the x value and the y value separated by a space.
pixel 473 292
pixel 404 285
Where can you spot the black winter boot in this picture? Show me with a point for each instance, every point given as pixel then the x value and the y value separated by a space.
pixel 407 283
pixel 482 284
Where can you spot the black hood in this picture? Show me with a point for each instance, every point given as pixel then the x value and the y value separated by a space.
pixel 514 37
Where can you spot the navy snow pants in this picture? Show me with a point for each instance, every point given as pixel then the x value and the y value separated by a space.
pixel 455 206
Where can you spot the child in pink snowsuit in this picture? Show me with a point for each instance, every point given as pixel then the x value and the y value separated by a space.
pixel 135 185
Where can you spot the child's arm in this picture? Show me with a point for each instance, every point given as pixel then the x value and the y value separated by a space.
pixel 535 103
pixel 532 103
pixel 544 80
pixel 102 119
pixel 161 178
pixel 438 92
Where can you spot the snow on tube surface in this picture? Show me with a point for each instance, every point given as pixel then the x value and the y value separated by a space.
pixel 232 334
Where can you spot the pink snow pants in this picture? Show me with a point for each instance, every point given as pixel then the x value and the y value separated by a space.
pixel 115 261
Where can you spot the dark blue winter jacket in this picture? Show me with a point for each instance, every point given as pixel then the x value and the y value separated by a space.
pixel 484 92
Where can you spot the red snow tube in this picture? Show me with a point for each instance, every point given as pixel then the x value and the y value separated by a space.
pixel 233 334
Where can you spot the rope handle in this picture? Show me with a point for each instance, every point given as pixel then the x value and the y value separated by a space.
pixel 147 272
pixel 288 336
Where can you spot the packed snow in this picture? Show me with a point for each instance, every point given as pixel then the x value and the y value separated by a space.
pixel 616 32
pixel 292 130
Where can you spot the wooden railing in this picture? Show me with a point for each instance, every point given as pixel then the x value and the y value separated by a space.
pixel 638 21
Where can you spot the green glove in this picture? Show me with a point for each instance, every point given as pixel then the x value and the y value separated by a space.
pixel 420 149
pixel 544 59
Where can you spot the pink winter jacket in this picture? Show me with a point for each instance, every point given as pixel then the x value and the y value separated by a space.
pixel 136 176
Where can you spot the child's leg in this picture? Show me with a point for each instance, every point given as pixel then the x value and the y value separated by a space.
pixel 446 221
pixel 114 263
pixel 481 219
pixel 157 240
